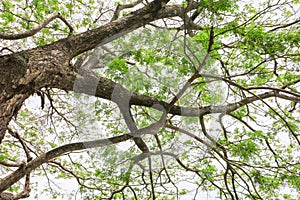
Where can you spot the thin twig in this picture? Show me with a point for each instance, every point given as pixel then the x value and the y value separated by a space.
pixel 122 7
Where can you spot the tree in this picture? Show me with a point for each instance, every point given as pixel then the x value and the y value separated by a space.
pixel 203 93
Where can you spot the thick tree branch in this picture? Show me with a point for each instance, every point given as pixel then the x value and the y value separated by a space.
pixel 25 169
pixel 122 97
pixel 104 34
pixel 106 87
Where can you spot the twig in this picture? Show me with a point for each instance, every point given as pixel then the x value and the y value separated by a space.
pixel 26 191
pixel 285 25
pixel 122 7
pixel 24 145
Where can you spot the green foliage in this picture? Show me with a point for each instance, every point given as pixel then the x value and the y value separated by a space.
pixel 244 149
pixel 217 6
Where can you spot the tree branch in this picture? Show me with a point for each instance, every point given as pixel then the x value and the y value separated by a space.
pixel 25 169
pixel 35 29
pixel 106 87
pixel 285 25
pixel 104 34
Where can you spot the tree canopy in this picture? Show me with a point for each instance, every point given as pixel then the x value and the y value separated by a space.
pixel 150 99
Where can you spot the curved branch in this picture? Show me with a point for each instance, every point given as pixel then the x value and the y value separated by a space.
pixel 25 169
pixel 106 87
pixel 35 29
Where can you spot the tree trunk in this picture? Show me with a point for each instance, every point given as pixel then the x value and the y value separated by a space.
pixel 24 73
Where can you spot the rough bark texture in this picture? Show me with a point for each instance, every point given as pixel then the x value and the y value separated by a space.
pixel 26 72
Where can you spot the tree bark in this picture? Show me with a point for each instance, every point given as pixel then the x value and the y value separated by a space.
pixel 24 73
